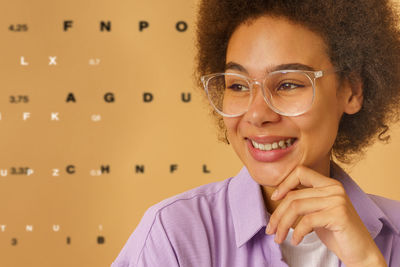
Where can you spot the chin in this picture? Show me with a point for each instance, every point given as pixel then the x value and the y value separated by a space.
pixel 268 174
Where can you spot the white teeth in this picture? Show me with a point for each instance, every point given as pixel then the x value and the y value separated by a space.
pixel 282 144
pixel 275 145
pixel 256 145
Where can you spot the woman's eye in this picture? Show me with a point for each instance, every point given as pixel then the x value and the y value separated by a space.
pixel 238 87
pixel 288 86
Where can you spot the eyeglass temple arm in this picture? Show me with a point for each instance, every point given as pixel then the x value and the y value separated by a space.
pixel 321 73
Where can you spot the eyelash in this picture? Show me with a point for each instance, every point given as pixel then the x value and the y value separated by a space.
pixel 236 85
pixel 290 84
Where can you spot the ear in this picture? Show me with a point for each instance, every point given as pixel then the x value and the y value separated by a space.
pixel 353 94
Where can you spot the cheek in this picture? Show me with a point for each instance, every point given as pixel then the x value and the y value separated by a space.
pixel 319 129
pixel 231 125
pixel 324 116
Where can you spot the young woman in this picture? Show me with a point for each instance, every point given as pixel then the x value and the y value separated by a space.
pixel 291 84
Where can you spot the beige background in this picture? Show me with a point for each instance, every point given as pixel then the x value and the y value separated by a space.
pixel 130 132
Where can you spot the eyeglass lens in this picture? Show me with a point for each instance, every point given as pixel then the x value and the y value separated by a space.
pixel 287 92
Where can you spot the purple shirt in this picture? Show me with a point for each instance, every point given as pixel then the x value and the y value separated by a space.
pixel 222 224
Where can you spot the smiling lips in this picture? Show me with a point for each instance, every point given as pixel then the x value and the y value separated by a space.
pixel 270 148
pixel 279 144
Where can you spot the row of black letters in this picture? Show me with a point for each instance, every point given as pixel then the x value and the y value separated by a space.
pixel 71 169
pixel 108 97
pixel 104 26
pixel 68 240
pixel 30 227
pixel 56 228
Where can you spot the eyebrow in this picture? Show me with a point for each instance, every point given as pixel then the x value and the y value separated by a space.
pixel 290 66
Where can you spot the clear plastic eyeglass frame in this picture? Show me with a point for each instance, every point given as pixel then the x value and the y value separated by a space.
pixel 312 75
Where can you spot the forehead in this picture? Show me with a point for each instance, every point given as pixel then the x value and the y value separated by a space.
pixel 267 41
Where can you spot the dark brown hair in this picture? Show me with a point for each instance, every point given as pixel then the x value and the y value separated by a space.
pixel 363 39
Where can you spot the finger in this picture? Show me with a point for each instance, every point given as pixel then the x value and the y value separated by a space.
pixel 300 207
pixel 302 175
pixel 291 196
pixel 332 190
pixel 312 221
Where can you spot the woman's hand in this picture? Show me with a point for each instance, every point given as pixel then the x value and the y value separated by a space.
pixel 322 205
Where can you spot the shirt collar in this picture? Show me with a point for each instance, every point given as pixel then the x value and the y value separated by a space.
pixel 247 206
pixel 249 214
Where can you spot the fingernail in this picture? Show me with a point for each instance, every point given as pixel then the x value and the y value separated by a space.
pixel 268 229
pixel 274 195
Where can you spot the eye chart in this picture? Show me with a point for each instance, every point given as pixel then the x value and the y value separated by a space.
pixel 100 118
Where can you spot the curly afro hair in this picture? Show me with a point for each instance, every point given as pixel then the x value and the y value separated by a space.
pixel 363 40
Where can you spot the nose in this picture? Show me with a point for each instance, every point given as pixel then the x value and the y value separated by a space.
pixel 259 113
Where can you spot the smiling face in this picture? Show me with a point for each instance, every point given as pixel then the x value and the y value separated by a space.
pixel 254 49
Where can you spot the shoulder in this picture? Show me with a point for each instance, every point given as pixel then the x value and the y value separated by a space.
pixel 199 210
pixel 207 192
pixel 161 221
pixel 390 207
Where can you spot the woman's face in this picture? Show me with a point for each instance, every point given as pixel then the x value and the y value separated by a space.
pixel 255 49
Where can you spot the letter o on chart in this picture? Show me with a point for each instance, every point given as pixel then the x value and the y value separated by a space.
pixel 181 26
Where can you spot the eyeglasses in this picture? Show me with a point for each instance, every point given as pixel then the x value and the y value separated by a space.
pixel 287 92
